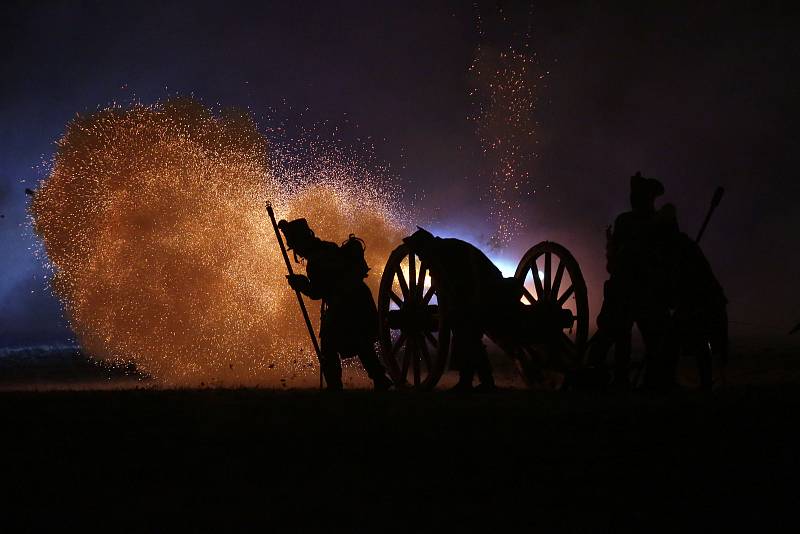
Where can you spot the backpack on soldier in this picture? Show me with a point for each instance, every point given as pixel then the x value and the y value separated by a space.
pixel 353 251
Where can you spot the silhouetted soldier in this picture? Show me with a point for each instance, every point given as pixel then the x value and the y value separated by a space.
pixel 700 318
pixel 475 295
pixel 637 290
pixel 349 323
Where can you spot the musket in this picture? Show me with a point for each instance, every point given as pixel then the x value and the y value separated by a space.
pixel 299 296
pixel 714 203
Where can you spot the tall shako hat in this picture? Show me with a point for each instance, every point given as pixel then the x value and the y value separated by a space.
pixel 295 231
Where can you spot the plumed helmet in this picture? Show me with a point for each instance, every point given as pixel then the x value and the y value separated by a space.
pixel 296 232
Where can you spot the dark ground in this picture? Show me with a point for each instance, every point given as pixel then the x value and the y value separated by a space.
pixel 578 461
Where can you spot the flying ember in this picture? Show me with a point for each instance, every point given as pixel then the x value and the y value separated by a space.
pixel 505 82
pixel 153 219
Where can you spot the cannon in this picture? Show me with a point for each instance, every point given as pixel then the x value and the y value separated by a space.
pixel 544 333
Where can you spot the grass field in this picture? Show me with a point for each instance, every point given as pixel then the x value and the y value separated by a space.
pixel 362 462
pixel 98 448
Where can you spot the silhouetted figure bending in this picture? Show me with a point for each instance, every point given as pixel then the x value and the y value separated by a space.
pixel 474 294
pixel 637 290
pixel 349 323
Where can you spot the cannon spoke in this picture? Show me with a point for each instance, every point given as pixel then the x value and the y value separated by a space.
pixel 527 295
pixel 397 300
pixel 563 298
pixel 432 339
pixel 428 295
pixel 399 343
pixel 412 276
pixel 401 279
pixel 537 282
pixel 557 279
pixel 425 354
pixel 423 269
pixel 547 272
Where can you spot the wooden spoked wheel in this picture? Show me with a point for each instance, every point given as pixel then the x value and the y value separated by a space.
pixel 414 336
pixel 554 294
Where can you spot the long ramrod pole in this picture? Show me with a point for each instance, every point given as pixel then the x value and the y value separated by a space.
pixel 299 296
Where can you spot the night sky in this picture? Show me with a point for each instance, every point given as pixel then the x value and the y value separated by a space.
pixel 697 96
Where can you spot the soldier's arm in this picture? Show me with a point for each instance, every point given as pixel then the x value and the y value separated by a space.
pixel 313 292
pixel 313 289
pixel 315 282
pixel 615 235
pixel 303 284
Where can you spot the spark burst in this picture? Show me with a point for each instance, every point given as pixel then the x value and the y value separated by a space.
pixel 504 98
pixel 153 220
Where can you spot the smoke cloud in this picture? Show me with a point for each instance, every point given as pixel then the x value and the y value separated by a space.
pixel 154 221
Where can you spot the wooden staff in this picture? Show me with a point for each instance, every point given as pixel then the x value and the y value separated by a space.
pixel 299 296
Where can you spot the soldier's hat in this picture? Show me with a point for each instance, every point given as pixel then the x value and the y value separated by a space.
pixel 646 187
pixel 296 232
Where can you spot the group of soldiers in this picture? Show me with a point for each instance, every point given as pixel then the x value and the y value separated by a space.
pixel 659 281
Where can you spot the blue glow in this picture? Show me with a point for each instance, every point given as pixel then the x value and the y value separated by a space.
pixel 507 267
pixel 501 258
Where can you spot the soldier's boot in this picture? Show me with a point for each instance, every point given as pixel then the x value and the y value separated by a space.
pixel 382 383
pixel 462 386
pixel 485 376
pixel 465 375
pixel 375 370
pixel 332 371
pixel 622 376
pixel 598 349
pixel 704 366
pixel 485 387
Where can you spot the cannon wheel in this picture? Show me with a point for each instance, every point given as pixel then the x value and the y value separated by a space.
pixel 551 277
pixel 414 336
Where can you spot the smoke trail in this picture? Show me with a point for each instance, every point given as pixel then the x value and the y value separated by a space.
pixel 153 220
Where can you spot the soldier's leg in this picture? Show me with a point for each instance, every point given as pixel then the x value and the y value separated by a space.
pixel 464 348
pixel 373 366
pixel 614 324
pixel 659 371
pixel 622 354
pixel 702 352
pixel 718 339
pixel 331 365
pixel 607 323
pixel 598 349
pixel 482 365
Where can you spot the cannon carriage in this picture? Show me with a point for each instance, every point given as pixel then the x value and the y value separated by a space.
pixel 544 333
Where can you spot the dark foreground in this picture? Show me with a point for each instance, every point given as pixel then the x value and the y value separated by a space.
pixel 220 459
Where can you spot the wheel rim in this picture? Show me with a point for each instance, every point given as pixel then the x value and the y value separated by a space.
pixel 552 279
pixel 414 337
